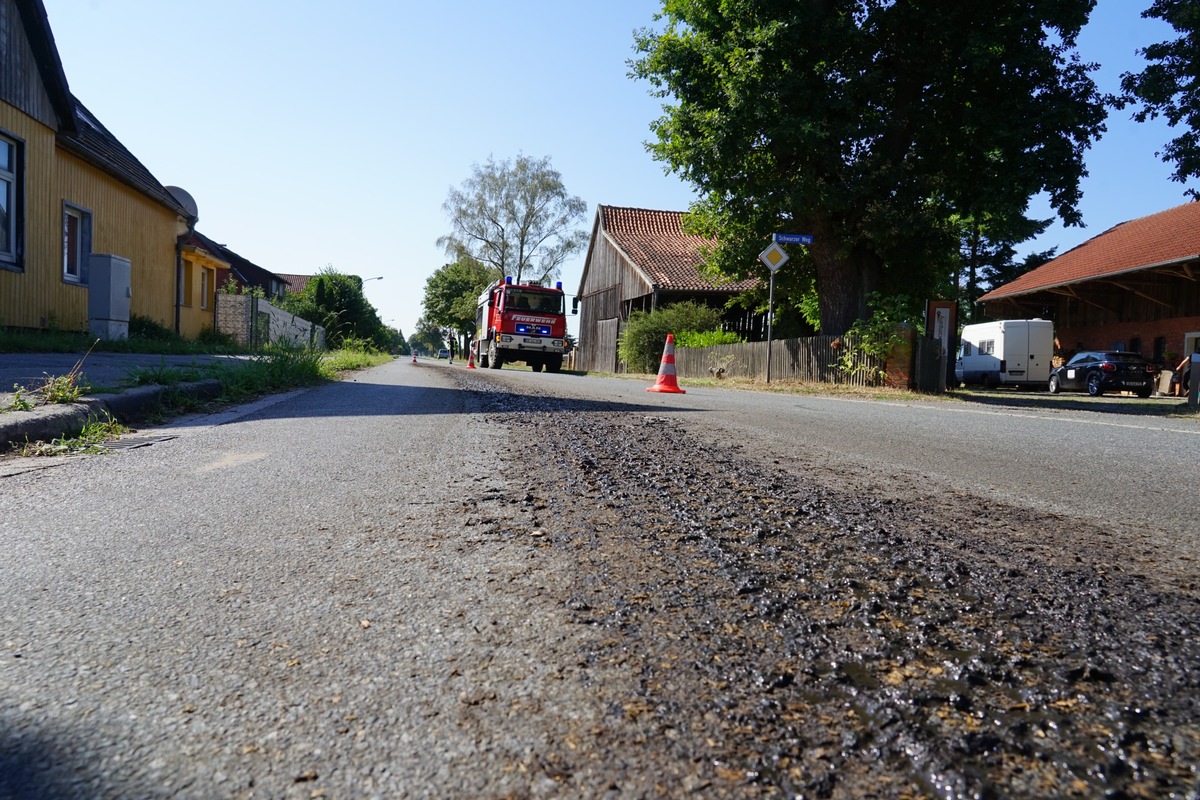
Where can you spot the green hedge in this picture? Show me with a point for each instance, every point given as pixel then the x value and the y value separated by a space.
pixel 641 345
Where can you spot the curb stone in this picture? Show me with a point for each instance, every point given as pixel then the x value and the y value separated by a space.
pixel 48 422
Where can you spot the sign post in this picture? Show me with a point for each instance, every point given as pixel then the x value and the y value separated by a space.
pixel 774 257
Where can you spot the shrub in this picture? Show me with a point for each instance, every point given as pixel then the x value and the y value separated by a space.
pixel 146 328
pixel 706 338
pixel 210 337
pixel 641 344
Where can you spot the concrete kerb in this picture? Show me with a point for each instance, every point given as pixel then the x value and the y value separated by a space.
pixel 48 422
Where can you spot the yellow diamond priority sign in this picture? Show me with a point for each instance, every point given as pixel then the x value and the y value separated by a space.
pixel 774 257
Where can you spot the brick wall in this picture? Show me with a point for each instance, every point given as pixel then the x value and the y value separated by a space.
pixel 271 324
pixel 1103 337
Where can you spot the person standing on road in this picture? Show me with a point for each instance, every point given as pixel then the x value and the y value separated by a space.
pixel 1181 380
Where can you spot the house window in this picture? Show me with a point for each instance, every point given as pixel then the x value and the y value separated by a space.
pixel 206 284
pixel 10 202
pixel 185 288
pixel 77 243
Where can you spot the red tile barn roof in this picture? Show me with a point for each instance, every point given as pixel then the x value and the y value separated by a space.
pixel 295 283
pixel 656 244
pixel 1168 237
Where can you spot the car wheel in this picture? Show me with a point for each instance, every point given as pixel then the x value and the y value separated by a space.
pixel 1144 392
pixel 1054 386
pixel 1094 387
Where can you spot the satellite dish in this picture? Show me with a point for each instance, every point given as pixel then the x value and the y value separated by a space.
pixel 185 200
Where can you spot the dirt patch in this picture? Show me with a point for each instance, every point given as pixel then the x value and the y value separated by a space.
pixel 782 637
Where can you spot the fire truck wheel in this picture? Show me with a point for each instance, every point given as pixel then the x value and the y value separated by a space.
pixel 535 364
pixel 495 360
pixel 554 364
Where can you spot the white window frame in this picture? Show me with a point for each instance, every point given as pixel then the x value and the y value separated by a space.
pixel 10 181
pixel 78 251
pixel 206 278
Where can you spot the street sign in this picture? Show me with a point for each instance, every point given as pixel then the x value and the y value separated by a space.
pixel 774 257
pixel 792 238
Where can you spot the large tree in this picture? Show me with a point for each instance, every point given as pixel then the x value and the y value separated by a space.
pixel 871 125
pixel 452 294
pixel 516 217
pixel 428 337
pixel 1170 86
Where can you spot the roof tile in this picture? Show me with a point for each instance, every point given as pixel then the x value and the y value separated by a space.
pixel 657 244
pixel 1167 237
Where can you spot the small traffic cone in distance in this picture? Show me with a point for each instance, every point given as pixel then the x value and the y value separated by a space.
pixel 471 360
pixel 414 357
pixel 666 371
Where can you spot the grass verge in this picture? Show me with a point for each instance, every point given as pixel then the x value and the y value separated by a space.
pixel 94 434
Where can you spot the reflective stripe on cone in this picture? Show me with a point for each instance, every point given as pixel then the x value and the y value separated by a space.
pixel 666 371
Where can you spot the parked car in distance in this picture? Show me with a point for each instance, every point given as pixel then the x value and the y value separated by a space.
pixel 443 353
pixel 1100 371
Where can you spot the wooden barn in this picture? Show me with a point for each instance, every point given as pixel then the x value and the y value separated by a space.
pixel 1134 287
pixel 640 260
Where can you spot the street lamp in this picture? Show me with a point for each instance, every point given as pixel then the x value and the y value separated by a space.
pixel 376 278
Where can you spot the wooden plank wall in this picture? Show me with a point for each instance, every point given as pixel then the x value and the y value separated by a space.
pixel 810 360
pixel 610 280
pixel 20 82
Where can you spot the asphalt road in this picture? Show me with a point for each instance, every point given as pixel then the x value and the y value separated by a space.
pixel 345 591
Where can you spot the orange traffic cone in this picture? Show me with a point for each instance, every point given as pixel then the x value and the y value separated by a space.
pixel 471 359
pixel 666 371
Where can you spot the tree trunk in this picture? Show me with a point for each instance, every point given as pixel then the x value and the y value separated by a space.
pixel 844 280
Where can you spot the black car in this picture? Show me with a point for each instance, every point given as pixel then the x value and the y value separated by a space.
pixel 1100 371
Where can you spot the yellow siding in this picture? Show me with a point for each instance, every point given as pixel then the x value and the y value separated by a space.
pixel 124 223
pixel 37 296
pixel 196 311
pixel 129 224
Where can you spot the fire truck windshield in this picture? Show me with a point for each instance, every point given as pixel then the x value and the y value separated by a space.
pixel 537 302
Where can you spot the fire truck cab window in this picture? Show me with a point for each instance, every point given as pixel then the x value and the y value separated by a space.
pixel 523 302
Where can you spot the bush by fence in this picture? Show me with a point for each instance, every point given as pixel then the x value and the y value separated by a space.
pixel 816 359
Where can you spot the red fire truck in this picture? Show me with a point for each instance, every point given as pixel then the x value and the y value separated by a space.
pixel 521 322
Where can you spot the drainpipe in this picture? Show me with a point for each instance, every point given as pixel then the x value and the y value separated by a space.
pixel 178 278
pixel 191 226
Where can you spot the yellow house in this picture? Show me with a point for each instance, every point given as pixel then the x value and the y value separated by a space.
pixel 68 189
pixel 200 272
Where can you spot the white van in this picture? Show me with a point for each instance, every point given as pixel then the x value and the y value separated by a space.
pixel 1009 353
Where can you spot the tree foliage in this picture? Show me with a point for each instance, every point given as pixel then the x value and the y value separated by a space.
pixel 870 125
pixel 515 217
pixel 987 249
pixel 336 301
pixel 428 337
pixel 642 341
pixel 1169 86
pixel 451 294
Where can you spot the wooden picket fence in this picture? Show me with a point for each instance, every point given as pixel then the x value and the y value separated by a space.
pixel 814 359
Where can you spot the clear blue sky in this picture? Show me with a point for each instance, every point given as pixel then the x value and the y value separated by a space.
pixel 314 134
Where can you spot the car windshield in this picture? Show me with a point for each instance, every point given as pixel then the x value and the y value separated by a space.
pixel 543 302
